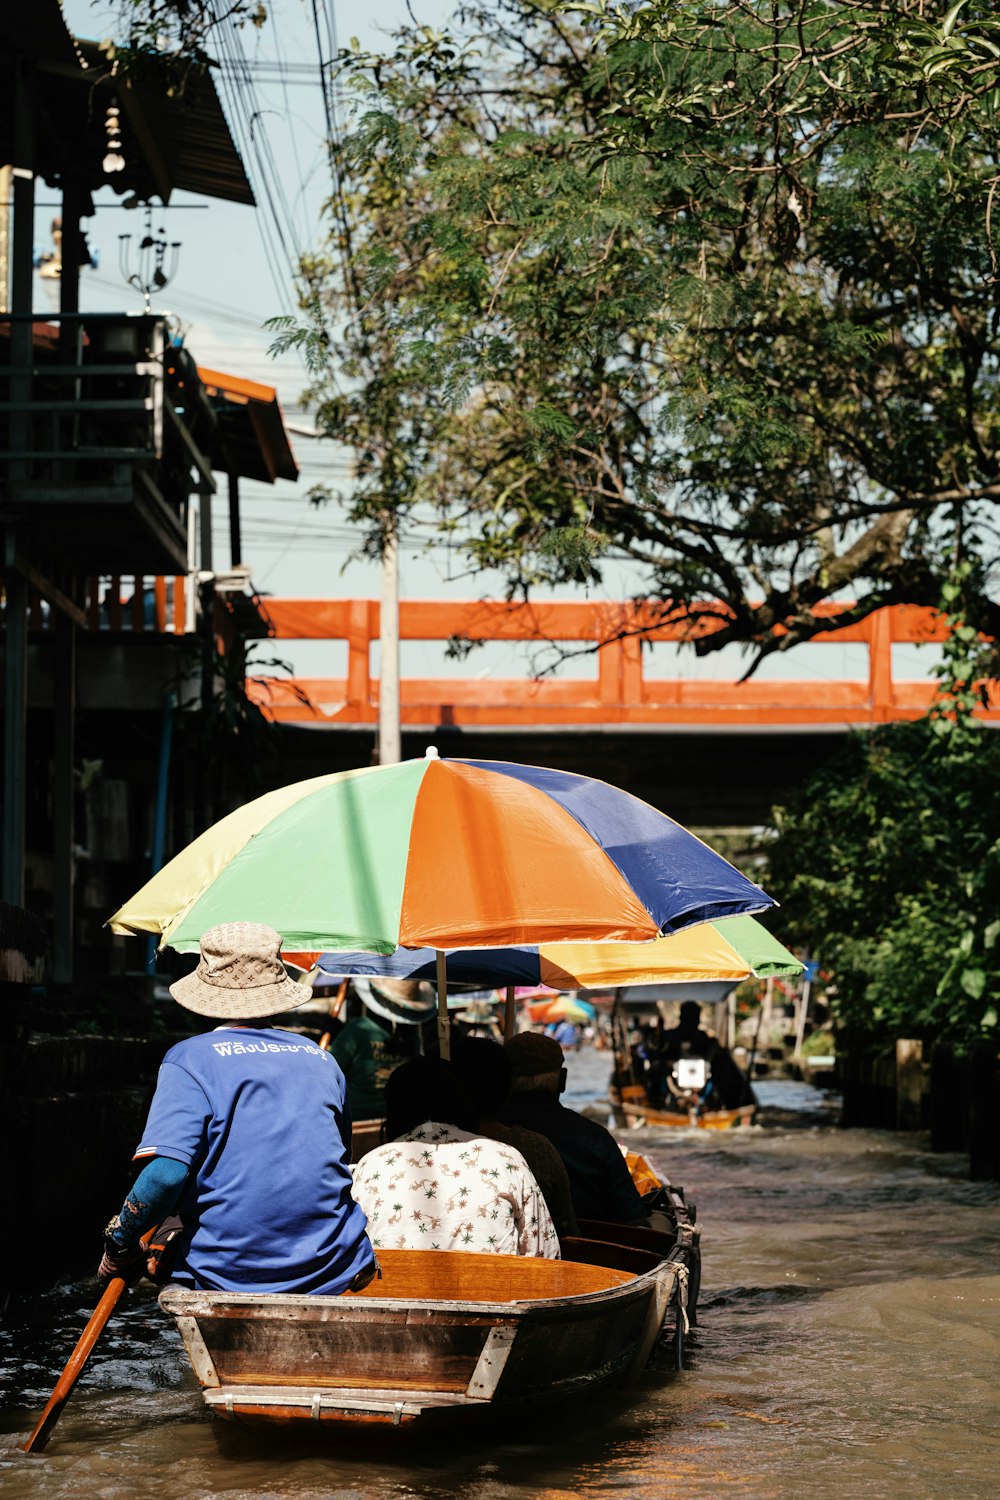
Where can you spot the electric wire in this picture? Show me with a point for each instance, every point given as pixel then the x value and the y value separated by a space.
pixel 248 120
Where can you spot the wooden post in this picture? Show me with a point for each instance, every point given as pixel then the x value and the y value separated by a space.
pixel 15 727
pixel 235 537
pixel 21 275
pixel 909 1084
pixel 802 1010
pixel 984 1113
pixel 64 726
pixel 767 1006
pixel 71 249
pixel 205 552
pixel 948 1092
pixel 443 1023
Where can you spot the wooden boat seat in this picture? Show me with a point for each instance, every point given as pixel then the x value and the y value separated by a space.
pixel 638 1236
pixel 458 1276
pixel 619 1255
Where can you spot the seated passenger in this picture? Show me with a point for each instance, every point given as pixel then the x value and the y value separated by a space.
pixel 728 1087
pixel 377 1040
pixel 483 1069
pixel 687 1039
pixel 439 1186
pixel 598 1177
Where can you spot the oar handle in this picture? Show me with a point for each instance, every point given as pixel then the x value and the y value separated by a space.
pixel 78 1359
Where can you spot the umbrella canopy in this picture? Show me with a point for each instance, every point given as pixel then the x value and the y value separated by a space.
pixel 733 949
pixel 442 854
pixel 564 1009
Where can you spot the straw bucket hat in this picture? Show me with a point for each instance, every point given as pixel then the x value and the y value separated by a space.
pixel 240 976
pixel 409 1001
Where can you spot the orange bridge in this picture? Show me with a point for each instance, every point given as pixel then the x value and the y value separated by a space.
pixel 621 695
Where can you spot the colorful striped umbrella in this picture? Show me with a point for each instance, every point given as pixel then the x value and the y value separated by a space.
pixel 734 948
pixel 441 854
pixel 563 1009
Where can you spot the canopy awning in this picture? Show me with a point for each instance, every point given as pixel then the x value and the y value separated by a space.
pixel 252 438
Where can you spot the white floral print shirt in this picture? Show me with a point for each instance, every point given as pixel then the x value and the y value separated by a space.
pixel 440 1188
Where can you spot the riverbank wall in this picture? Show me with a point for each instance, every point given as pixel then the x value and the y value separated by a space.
pixel 953 1096
pixel 72 1108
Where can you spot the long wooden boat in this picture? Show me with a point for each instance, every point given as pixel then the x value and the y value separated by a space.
pixel 632 1111
pixel 445 1334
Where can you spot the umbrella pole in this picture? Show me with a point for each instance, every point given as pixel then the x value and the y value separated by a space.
pixel 444 1025
pixel 508 1013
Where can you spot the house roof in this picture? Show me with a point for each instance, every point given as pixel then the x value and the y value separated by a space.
pixel 37 31
pixel 251 427
pixel 174 134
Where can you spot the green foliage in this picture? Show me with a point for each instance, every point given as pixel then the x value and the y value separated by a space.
pixel 713 288
pixel 180 29
pixel 889 863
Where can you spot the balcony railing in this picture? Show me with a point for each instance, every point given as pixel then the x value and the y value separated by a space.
pixel 104 433
pixel 91 398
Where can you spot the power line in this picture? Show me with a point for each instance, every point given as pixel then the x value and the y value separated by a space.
pixel 247 114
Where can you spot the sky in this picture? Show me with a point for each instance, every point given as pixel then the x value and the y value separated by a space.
pixel 234 273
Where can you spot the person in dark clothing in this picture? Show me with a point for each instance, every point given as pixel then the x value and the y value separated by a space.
pixel 727 1088
pixel 599 1180
pixel 368 1052
pixel 687 1039
pixel 377 1041
pixel 483 1068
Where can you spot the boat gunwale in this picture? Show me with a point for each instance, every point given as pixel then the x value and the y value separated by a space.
pixel 520 1309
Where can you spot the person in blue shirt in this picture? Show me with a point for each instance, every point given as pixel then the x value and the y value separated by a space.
pixel 248 1141
pixel 567 1035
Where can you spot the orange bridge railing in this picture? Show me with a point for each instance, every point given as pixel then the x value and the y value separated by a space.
pixel 621 694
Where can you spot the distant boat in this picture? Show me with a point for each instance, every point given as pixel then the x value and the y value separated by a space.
pixel 631 1108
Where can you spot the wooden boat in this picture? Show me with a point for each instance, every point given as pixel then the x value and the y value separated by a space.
pixel 445 1334
pixel 632 1110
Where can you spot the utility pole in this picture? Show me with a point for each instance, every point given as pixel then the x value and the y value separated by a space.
pixel 390 749
pixel 6 194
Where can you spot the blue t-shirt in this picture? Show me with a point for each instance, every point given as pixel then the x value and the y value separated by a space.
pixel 261 1118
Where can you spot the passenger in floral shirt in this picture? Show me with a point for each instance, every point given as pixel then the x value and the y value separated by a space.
pixel 438 1185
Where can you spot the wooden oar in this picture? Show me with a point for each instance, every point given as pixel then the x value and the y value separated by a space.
pixel 333 1014
pixel 75 1364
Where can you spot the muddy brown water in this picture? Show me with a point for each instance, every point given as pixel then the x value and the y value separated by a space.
pixel 849 1346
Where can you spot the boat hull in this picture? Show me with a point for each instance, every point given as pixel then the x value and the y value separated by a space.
pixel 445 1335
pixel 631 1107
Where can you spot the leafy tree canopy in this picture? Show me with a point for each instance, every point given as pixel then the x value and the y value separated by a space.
pixel 889 868
pixel 709 286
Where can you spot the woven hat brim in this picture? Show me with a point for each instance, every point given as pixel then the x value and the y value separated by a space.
pixel 380 1004
pixel 238 1005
